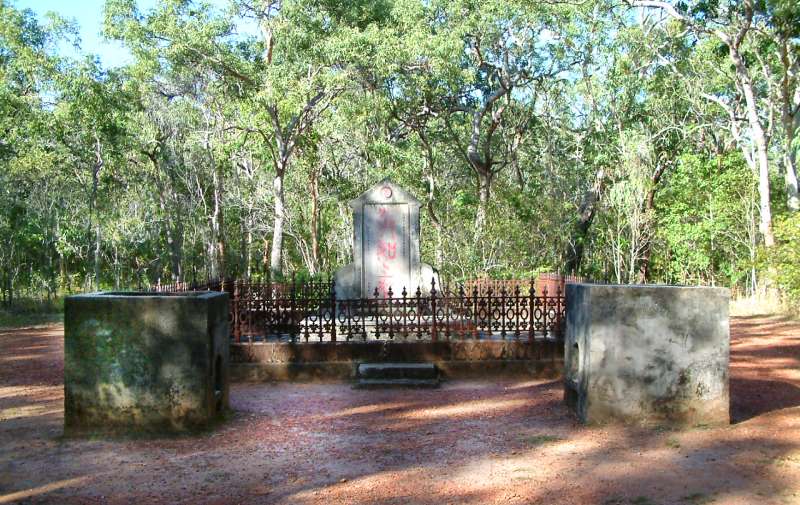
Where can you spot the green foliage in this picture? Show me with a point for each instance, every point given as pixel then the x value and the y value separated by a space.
pixel 166 169
pixel 706 221
pixel 785 259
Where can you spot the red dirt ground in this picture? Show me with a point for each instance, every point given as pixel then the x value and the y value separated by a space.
pixel 469 442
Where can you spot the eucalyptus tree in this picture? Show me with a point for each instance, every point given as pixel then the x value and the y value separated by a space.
pixel 785 37
pixel 90 115
pixel 193 52
pixel 734 24
pixel 31 195
pixel 499 53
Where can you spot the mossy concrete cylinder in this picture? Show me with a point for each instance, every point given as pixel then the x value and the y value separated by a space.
pixel 647 354
pixel 145 362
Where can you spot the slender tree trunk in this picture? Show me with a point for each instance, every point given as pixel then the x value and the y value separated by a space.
pixel 217 244
pixel 116 268
pixel 248 245
pixel 176 250
pixel 98 165
pixel 4 286
pixel 276 254
pixel 439 252
pixel 788 119
pixel 313 183
pixel 647 209
pixel 97 241
pixel 790 177
pixel 586 213
pixel 760 140
pixel 484 195
pixel 265 258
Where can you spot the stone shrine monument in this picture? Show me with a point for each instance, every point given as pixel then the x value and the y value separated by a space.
pixel 385 246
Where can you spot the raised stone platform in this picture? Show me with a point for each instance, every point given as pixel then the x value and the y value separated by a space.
pixel 647 354
pixel 267 361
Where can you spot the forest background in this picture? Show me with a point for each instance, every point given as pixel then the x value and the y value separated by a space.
pixel 625 141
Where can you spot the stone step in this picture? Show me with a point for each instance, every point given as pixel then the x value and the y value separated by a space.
pixel 396 383
pixel 395 371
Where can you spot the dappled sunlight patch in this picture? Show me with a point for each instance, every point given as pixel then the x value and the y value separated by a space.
pixel 41 392
pixel 372 408
pixel 529 384
pixel 27 411
pixel 420 484
pixel 374 484
pixel 472 408
pixel 569 447
pixel 18 357
pixel 40 490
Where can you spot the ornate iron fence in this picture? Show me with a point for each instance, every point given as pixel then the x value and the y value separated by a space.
pixel 310 311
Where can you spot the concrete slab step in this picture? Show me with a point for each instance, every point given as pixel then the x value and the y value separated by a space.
pixel 396 383
pixel 385 371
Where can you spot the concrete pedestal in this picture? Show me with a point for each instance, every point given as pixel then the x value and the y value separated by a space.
pixel 647 354
pixel 141 362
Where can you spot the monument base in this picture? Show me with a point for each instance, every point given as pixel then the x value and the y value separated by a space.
pixel 349 284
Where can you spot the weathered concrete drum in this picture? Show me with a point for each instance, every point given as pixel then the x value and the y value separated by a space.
pixel 137 362
pixel 647 354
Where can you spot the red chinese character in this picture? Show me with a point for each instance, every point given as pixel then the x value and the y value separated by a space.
pixel 386 221
pixel 387 250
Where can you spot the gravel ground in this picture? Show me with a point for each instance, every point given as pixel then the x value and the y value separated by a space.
pixel 477 442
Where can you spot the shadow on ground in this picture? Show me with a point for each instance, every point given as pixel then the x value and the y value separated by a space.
pixel 482 442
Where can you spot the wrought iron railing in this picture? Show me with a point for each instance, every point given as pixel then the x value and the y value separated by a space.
pixel 310 311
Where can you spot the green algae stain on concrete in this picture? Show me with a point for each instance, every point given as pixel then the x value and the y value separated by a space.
pixel 138 363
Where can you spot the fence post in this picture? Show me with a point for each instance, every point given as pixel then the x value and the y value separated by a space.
pixel 267 305
pixel 544 319
pixel 405 313
pixel 291 309
pixel 333 307
pixel 390 294
pixel 235 316
pixel 418 301
pixel 434 337
pixel 503 312
pixel 376 319
pixel 560 320
pixel 531 316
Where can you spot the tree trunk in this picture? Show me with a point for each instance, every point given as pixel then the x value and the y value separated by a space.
pixel 790 176
pixel 116 268
pixel 439 253
pixel 97 240
pixel 484 194
pixel 313 183
pixel 176 251
pixel 248 246
pixel 276 255
pixel 586 213
pixel 217 244
pixel 788 99
pixel 760 140
pixel 93 218
pixel 647 208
